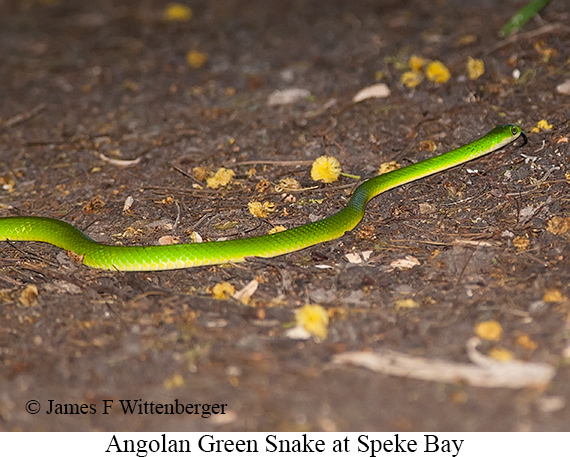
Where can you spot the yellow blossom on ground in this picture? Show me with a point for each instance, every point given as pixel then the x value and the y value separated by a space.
pixel 411 79
pixel 437 72
pixel 175 12
pixel 277 229
pixel 196 59
pixel 545 51
pixel 428 145
pixel 29 296
pixel 222 178
pixel 7 182
pixel 475 68
pixel 259 209
pixel 558 225
pixel 501 354
pixel 466 40
pixel 200 173
pixel 416 63
pixel 553 296
pixel 286 184
pixel 489 330
pixel 526 342
pixel 175 381
pixel 379 76
pixel 223 290
pixel 521 243
pixel 407 303
pixel 326 169
pixel 541 125
pixel 388 166
pixel 314 319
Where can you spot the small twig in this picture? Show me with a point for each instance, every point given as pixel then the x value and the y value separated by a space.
pixel 31 254
pixel 18 119
pixel 284 163
pixel 465 267
pixel 524 36
pixel 199 221
pixel 183 173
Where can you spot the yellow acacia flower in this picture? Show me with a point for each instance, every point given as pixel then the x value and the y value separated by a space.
pixel 558 225
pixel 196 59
pixel 411 79
pixel 259 209
pixel 314 319
pixel 388 166
pixel 222 178
pixel 521 242
pixel 173 382
pixel 175 12
pixel 437 72
pixel 407 303
pixel 526 342
pixel 475 68
pixel 286 184
pixel 223 290
pixel 277 229
pixel 416 63
pixel 326 169
pixel 200 173
pixel 489 330
pixel 501 354
pixel 553 296
pixel 541 125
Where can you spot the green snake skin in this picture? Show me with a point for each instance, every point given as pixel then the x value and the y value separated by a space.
pixel 154 258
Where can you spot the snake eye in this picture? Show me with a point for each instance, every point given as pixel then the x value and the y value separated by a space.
pixel 514 129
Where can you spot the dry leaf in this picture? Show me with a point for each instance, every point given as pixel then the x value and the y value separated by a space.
pixel 564 88
pixel 406 263
pixel 558 225
pixel 245 294
pixel 167 240
pixel 29 296
pixel 380 90
pixel 287 96
pixel 128 203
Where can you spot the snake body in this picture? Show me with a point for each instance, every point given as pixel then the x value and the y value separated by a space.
pixel 153 258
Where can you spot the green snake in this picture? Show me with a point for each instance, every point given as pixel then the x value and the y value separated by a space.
pixel 170 257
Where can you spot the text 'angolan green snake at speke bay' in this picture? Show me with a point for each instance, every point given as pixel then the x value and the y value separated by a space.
pixel 151 258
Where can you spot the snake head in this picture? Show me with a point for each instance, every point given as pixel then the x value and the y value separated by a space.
pixel 507 133
pixel 516 131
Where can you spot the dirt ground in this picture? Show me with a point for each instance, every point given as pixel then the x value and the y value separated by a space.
pixel 84 82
